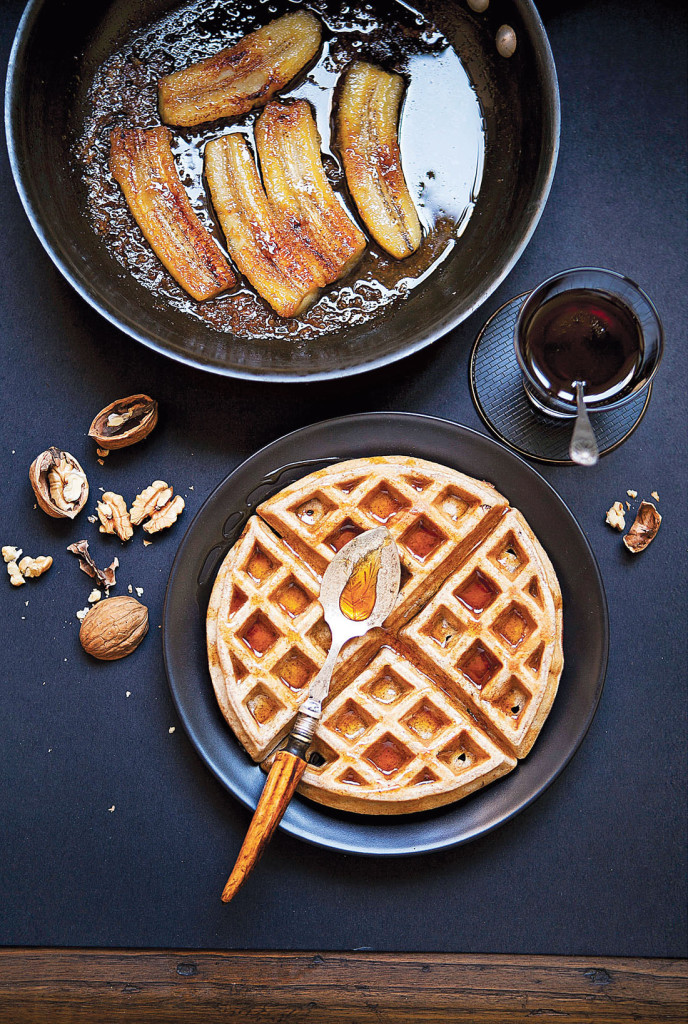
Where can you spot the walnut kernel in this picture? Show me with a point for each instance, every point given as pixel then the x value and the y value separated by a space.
pixel 157 505
pixel 113 515
pixel 149 501
pixel 165 516
pixel 16 578
pixel 33 567
pixel 11 554
pixel 615 516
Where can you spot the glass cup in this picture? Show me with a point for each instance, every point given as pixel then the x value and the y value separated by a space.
pixel 587 285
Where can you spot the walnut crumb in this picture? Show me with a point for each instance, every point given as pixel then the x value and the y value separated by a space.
pixel 81 615
pixel 632 494
pixel 655 495
pixel 94 596
pixel 11 554
pixel 111 809
pixel 130 588
pixel 139 591
pixel 615 516
pixel 147 543
pixel 16 578
pixel 33 567
pixel 103 452
pixel 128 693
pixel 171 730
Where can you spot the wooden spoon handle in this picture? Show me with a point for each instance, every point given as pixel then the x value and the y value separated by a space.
pixel 285 775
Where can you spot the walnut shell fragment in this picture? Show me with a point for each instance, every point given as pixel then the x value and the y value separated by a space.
pixel 114 628
pixel 105 577
pixel 644 529
pixel 124 422
pixel 59 483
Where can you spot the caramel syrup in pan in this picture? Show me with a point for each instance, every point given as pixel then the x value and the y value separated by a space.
pixel 441 136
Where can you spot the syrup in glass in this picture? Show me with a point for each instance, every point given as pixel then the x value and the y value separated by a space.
pixel 583 335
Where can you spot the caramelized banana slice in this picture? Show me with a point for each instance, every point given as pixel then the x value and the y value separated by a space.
pixel 367 122
pixel 295 180
pixel 265 248
pixel 141 162
pixel 241 77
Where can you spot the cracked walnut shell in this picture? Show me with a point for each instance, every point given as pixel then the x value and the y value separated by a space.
pixel 59 483
pixel 113 515
pixel 124 422
pixel 644 529
pixel 114 628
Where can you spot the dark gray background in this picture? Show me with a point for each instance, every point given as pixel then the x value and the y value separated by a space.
pixel 598 864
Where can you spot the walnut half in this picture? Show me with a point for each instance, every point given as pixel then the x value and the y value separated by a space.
pixel 124 422
pixel 113 515
pixel 59 483
pixel 157 505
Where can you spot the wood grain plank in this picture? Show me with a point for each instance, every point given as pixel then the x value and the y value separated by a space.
pixel 110 986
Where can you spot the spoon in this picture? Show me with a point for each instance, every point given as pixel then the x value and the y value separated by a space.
pixel 358 591
pixel 583 447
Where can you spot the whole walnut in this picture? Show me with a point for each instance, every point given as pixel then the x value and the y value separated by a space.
pixel 114 628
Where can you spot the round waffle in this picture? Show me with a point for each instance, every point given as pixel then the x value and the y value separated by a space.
pixel 442 700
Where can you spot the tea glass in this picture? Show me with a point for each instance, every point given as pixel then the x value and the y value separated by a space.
pixel 612 286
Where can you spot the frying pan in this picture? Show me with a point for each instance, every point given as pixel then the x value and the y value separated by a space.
pixel 60 44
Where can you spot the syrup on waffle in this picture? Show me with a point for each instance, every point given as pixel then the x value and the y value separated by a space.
pixel 449 694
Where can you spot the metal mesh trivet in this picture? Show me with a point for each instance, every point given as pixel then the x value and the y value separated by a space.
pixel 497 389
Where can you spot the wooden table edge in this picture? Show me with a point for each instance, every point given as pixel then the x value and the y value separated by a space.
pixel 111 985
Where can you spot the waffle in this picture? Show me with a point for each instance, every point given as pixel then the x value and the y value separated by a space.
pixel 456 686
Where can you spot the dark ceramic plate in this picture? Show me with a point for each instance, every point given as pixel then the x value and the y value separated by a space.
pixel 59 46
pixel 217 526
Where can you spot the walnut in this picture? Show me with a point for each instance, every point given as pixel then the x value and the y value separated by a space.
pixel 644 529
pixel 11 554
pixel 149 501
pixel 59 483
pixel 157 505
pixel 113 515
pixel 35 566
pixel 124 422
pixel 16 578
pixel 165 516
pixel 114 628
pixel 615 516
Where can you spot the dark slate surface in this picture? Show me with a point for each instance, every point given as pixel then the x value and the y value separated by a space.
pixel 597 865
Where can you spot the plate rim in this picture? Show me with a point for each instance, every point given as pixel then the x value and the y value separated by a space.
pixel 345 845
